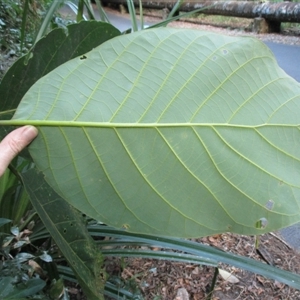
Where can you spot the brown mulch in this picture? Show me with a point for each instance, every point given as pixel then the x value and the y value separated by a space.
pixel 163 279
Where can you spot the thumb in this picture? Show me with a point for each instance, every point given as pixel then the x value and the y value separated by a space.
pixel 14 143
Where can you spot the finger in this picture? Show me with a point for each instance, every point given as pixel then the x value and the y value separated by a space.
pixel 14 143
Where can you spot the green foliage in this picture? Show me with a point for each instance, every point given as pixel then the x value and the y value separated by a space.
pixel 14 201
pixel 79 39
pixel 160 132
pixel 76 40
pixel 67 228
pixel 10 21
pixel 151 138
pixel 17 220
pixel 19 21
pixel 9 289
pixel 49 22
pixel 175 8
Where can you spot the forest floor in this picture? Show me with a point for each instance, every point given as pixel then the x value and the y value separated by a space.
pixel 179 281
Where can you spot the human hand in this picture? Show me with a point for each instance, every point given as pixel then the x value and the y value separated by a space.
pixel 14 143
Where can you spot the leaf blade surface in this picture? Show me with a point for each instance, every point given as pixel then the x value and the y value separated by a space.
pixel 175 132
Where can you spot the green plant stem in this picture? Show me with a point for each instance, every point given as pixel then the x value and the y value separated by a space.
pixel 175 8
pixel 132 13
pixel 257 242
pixel 213 284
pixel 24 18
pixel 141 14
pixel 102 13
pixel 15 172
pixel 79 16
pixel 89 9
pixel 171 19
pixel 27 221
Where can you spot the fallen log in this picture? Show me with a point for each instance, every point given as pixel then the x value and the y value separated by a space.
pixel 273 13
pixel 281 12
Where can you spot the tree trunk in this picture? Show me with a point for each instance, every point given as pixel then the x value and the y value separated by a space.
pixel 272 12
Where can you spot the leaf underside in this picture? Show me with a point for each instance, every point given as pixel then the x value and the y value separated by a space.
pixel 174 132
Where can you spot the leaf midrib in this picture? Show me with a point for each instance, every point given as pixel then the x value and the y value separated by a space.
pixel 53 123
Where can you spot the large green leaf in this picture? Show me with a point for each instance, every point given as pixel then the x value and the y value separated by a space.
pixel 173 132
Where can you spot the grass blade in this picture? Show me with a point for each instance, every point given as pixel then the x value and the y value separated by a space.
pixel 79 16
pixel 47 19
pixel 89 9
pixel 102 13
pixel 175 8
pixel 23 26
pixel 141 14
pixel 194 248
pixel 162 255
pixel 169 20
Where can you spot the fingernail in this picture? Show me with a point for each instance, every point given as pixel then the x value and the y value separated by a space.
pixel 30 132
